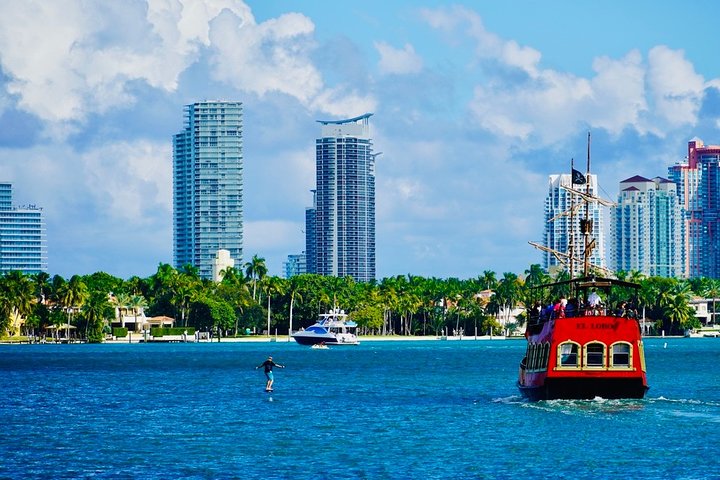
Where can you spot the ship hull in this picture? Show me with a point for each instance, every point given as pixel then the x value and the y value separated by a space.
pixel 585 389
pixel 327 340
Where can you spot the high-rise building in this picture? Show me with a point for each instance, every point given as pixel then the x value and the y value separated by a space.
pixel 208 185
pixel 698 181
pixel 295 265
pixel 562 229
pixel 344 203
pixel 310 240
pixel 23 244
pixel 646 228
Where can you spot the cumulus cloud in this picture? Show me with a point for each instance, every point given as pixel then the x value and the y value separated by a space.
pixel 544 106
pixel 398 61
pixel 132 182
pixel 275 56
pixel 675 88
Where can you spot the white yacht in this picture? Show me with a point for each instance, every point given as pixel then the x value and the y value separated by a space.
pixel 331 328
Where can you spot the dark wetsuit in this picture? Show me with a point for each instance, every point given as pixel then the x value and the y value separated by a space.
pixel 268 365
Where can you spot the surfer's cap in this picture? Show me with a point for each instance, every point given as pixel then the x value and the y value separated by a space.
pixel 269 358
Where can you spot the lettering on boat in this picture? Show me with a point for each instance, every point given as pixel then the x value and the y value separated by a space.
pixel 591 325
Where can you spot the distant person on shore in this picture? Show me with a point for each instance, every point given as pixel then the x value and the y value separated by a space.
pixel 268 365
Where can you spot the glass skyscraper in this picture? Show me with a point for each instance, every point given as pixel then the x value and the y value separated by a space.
pixel 698 181
pixel 23 245
pixel 208 185
pixel 342 222
pixel 646 228
pixel 563 230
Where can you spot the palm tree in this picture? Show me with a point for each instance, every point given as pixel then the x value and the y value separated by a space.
pixel 121 301
pixel 72 296
pixel 678 311
pixel 42 286
pixel 256 270
pixel 488 280
pixel 233 288
pixel 19 296
pixel 137 303
pixel 295 286
pixel 271 286
pixel 96 311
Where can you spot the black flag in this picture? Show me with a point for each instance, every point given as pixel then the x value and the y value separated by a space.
pixel 577 177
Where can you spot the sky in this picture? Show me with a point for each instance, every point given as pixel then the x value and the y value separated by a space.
pixel 475 104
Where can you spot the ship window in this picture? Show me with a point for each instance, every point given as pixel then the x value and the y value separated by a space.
pixel 531 363
pixel 621 355
pixel 594 355
pixel 568 355
pixel 546 355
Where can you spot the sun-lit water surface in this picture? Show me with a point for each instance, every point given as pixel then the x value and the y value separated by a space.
pixel 378 410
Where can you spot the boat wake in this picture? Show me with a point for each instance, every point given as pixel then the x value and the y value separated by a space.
pixel 687 401
pixel 596 406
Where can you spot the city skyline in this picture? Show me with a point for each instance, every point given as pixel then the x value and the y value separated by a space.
pixel 475 106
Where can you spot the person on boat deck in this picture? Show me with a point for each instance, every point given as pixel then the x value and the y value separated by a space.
pixel 572 307
pixel 268 365
pixel 547 312
pixel 594 300
pixel 559 307
pixel 627 310
pixel 536 310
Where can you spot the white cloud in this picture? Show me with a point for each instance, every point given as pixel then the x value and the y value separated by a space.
pixel 398 61
pixel 267 57
pixel 676 89
pixel 63 70
pixel 545 106
pixel 132 182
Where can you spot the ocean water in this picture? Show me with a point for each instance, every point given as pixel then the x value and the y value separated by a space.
pixel 420 409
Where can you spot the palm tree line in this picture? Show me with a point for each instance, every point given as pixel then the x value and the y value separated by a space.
pixel 248 300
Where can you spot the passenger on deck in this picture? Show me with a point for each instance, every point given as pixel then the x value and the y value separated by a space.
pixel 535 312
pixel 559 307
pixel 547 312
pixel 594 302
pixel 572 307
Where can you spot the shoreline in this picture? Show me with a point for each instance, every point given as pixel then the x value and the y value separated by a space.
pixel 285 339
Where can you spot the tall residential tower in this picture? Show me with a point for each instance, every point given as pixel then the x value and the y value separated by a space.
pixel 208 185
pixel 343 243
pixel 646 228
pixel 22 236
pixel 698 181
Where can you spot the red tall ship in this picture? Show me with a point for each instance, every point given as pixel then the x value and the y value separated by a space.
pixel 581 347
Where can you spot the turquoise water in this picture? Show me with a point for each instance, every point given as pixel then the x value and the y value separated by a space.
pixel 379 410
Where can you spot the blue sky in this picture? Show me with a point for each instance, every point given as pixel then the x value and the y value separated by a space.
pixel 475 103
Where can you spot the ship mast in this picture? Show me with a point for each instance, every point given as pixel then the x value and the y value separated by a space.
pixel 586 224
pixel 571 225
